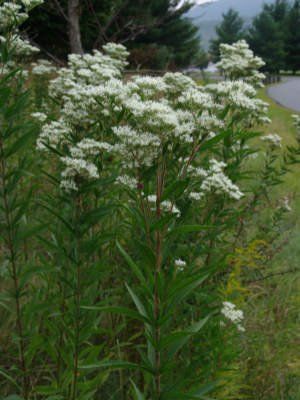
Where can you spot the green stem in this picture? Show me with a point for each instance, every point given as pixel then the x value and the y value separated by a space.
pixel 14 274
pixel 77 298
pixel 158 254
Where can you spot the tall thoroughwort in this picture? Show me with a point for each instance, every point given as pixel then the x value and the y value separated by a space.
pixel 171 158
pixel 81 202
pixel 15 191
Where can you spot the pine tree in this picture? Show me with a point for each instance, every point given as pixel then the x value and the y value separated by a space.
pixel 267 40
pixel 279 11
pixel 229 31
pixel 293 38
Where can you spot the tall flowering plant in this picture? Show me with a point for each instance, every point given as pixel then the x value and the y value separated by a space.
pixel 179 151
pixel 82 201
pixel 16 135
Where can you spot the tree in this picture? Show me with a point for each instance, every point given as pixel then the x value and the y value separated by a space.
pixel 267 40
pixel 279 11
pixel 229 31
pixel 74 26
pixel 157 27
pixel 293 38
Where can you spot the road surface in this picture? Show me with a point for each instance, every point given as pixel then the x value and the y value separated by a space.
pixel 287 93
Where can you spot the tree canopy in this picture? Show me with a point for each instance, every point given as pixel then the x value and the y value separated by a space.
pixel 275 35
pixel 266 39
pixel 293 38
pixel 229 31
pixel 156 31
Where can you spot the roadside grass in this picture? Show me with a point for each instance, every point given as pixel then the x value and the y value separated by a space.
pixel 273 365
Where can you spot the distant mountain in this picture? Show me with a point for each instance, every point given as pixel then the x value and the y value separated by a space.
pixel 207 16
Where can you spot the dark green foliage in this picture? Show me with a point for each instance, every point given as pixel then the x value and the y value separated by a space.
pixel 155 31
pixel 266 39
pixel 16 137
pixel 293 38
pixel 230 30
pixel 274 36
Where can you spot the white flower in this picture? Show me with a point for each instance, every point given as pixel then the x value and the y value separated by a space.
pixel 11 15
pixel 166 205
pixel 39 116
pixel 196 196
pixel 215 179
pixel 273 139
pixel 285 204
pixel 43 67
pixel 239 62
pixel 128 181
pixel 180 264
pixel 233 314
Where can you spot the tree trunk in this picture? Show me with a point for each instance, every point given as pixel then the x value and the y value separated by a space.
pixel 74 26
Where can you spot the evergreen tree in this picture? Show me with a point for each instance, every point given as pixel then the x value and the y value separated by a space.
pixel 267 40
pixel 229 31
pixel 293 38
pixel 156 31
pixel 279 11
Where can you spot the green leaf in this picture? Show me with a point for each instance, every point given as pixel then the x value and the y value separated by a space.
pixel 136 270
pixel 48 390
pixel 198 394
pixel 116 364
pixel 137 393
pixel 59 217
pixel 13 397
pixel 139 305
pixel 118 310
pixel 175 341
pixel 27 232
pixel 211 142
pixel 18 144
pixel 162 222
pixel 195 328
pixel 10 379
pixel 190 229
pixel 175 189
pixel 179 291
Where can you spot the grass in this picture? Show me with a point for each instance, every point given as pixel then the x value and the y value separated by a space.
pixel 282 121
pixel 273 367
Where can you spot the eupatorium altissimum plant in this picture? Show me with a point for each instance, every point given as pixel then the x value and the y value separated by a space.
pixel 175 144
pixel 16 136
pixel 148 188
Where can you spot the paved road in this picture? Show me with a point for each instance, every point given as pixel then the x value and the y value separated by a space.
pixel 287 93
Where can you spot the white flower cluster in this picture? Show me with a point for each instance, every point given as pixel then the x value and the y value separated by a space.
pixel 88 90
pixel 273 139
pixel 166 205
pixel 43 67
pixel 39 116
pixel 180 264
pixel 238 96
pixel 239 62
pixel 127 181
pixel 233 314
pixel 21 47
pixel 215 180
pixel 12 16
pixel 142 118
pixel 30 4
